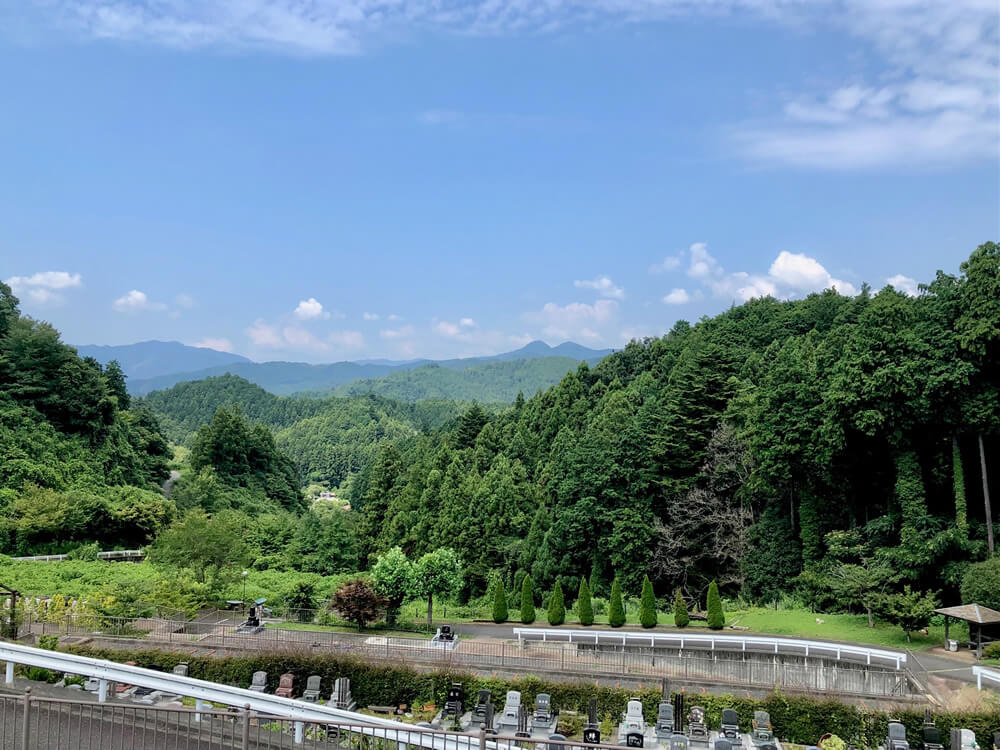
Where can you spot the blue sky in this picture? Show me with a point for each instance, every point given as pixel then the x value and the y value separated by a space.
pixel 339 179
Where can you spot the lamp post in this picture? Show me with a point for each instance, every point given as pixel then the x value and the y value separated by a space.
pixel 245 574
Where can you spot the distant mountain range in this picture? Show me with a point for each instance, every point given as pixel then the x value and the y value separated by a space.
pixel 156 365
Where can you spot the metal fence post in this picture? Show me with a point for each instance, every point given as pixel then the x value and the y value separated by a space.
pixel 26 720
pixel 245 738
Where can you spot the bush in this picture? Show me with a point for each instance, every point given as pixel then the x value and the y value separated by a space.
pixel 716 618
pixel 616 609
pixel 527 601
pixel 992 651
pixel 981 584
pixel 557 607
pixel 647 608
pixel 681 616
pixel 500 611
pixel 584 605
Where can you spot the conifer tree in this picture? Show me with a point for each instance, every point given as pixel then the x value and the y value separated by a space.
pixel 584 604
pixel 716 618
pixel 616 608
pixel 527 601
pixel 557 607
pixel 681 616
pixel 500 612
pixel 647 607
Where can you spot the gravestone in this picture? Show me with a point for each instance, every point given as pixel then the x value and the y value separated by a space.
pixel 723 743
pixel 341 697
pixel 678 742
pixel 664 721
pixel 730 728
pixel 259 682
pixel 592 729
pixel 897 737
pixel 285 685
pixel 479 712
pixel 522 723
pixel 763 732
pixel 558 738
pixel 311 693
pixel 509 720
pixel 697 731
pixel 543 718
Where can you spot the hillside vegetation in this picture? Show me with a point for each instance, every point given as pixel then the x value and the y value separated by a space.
pixel 827 447
pixel 494 382
pixel 78 461
pixel 328 439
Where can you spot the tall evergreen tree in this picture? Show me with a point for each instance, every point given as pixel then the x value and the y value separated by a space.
pixel 616 607
pixel 584 604
pixel 647 607
pixel 557 607
pixel 681 616
pixel 500 612
pixel 713 606
pixel 527 601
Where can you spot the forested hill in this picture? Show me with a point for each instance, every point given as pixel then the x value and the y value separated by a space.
pixel 328 439
pixel 523 369
pixel 494 382
pixel 807 444
pixel 78 460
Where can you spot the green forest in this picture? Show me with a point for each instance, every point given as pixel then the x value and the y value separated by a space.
pixel 832 451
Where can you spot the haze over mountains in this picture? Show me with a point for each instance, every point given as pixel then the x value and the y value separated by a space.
pixel 156 365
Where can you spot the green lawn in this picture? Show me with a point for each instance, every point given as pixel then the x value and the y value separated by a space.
pixel 796 623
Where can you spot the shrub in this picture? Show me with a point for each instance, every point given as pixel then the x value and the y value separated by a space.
pixel 584 605
pixel 992 651
pixel 616 609
pixel 647 607
pixel 557 607
pixel 500 611
pixel 527 601
pixel 716 618
pixel 681 616
pixel 356 602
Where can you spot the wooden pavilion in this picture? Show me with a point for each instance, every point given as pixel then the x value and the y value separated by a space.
pixel 984 624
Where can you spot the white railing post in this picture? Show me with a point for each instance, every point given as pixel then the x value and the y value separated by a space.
pixel 9 675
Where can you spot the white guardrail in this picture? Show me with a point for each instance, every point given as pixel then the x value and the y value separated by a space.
pixel 115 554
pixel 711 642
pixel 270 705
pixel 984 673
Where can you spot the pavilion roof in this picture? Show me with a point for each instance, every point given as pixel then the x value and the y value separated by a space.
pixel 972 613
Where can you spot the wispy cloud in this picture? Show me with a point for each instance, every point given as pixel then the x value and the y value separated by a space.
pixel 219 344
pixel 45 287
pixel 603 286
pixel 575 320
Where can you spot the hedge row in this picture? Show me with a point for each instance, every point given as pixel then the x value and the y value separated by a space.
pixel 796 719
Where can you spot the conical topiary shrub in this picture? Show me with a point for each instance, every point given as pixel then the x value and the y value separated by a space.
pixel 716 618
pixel 500 611
pixel 527 601
pixel 647 607
pixel 557 607
pixel 584 604
pixel 616 609
pixel 681 616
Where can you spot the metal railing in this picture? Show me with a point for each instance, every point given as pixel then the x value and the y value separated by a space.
pixel 29 722
pixel 984 673
pixel 790 671
pixel 710 642
pixel 116 554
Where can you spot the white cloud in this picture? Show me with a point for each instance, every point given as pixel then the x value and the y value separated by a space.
pixel 221 345
pixel 603 286
pixel 677 297
pixel 790 275
pixel 311 309
pixel 397 333
pixel 185 300
pixel 702 264
pixel 136 301
pixel 264 334
pixel 904 284
pixel 444 328
pixel 394 317
pixel 300 338
pixel 670 263
pixel 577 319
pixel 370 316
pixel 801 273
pixel 43 288
pixel 467 323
